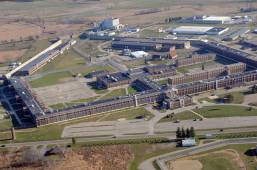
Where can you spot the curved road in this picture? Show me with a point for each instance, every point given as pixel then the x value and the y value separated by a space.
pixel 160 160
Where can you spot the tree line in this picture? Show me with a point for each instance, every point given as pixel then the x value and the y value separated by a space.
pixel 182 133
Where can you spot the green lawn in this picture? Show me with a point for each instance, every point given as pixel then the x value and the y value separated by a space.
pixel 5 124
pixel 131 90
pixel 128 114
pixel 50 79
pixel 186 69
pixel 86 70
pixel 114 93
pixel 218 161
pixel 72 103
pixel 68 59
pixel 225 111
pixel 187 115
pixel 214 162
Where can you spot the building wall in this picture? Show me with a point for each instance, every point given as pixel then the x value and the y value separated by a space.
pixel 195 59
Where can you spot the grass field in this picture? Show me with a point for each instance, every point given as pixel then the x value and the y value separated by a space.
pixel 50 79
pixel 214 161
pixel 187 115
pixel 218 161
pixel 114 93
pixel 131 90
pixel 68 59
pixel 238 98
pixel 225 111
pixel 72 103
pixel 145 151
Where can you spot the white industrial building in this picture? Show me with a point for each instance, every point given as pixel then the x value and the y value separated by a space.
pixel 198 30
pixel 139 54
pixel 111 23
pixel 188 142
pixel 216 19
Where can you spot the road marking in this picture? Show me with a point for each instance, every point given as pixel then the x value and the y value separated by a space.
pixel 197 114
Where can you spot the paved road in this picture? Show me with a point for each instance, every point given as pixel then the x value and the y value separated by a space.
pixel 128 127
pixel 147 165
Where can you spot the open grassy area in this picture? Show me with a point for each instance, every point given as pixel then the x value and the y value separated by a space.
pixel 68 59
pixel 50 79
pixel 145 151
pixel 187 115
pixel 86 70
pixel 131 90
pixel 114 93
pixel 225 111
pixel 149 33
pixel 128 114
pixel 238 98
pixel 5 124
pixel 218 161
pixel 72 103
pixel 36 48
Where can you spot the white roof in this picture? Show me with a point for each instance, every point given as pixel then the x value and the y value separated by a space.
pixel 217 18
pixel 192 29
pixel 139 54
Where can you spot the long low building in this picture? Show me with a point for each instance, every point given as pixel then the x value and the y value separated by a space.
pixel 195 59
pixel 235 80
pixel 208 74
pixel 42 59
pixel 149 44
pixel 230 53
pixel 197 30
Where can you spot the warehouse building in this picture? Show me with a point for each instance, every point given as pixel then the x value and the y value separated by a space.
pixel 207 20
pixel 111 23
pixel 250 43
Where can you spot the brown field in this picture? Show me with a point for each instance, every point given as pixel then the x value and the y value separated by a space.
pixel 88 158
pixel 7 56
pixel 17 30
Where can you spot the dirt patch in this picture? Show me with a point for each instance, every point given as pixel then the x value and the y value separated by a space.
pixel 65 92
pixel 185 164
pixel 252 98
pixel 9 56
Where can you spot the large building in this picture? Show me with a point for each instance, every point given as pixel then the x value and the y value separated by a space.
pixel 197 30
pixel 195 59
pixel 148 44
pixel 208 74
pixel 208 20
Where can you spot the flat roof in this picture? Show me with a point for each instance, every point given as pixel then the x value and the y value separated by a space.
pixel 216 18
pixel 192 29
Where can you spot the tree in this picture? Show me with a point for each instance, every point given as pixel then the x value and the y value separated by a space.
pixel 192 132
pixel 178 133
pixel 188 135
pixel 183 133
pixel 203 67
